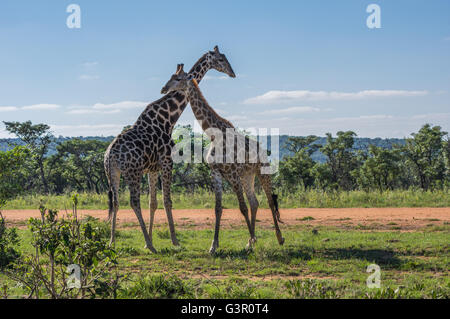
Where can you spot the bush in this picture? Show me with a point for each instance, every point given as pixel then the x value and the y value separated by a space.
pixel 8 240
pixel 158 286
pixel 102 228
pixel 62 247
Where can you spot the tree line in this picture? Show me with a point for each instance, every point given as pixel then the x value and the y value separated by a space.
pixel 422 162
pixel 77 164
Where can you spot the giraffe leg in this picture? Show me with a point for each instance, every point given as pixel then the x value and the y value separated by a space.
pixel 135 202
pixel 113 203
pixel 166 182
pixel 266 183
pixel 237 187
pixel 248 183
pixel 217 183
pixel 153 204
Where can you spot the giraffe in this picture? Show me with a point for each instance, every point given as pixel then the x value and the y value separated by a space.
pixel 146 148
pixel 238 162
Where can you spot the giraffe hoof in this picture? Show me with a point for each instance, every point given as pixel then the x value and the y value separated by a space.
pixel 151 248
pixel 213 248
pixel 175 242
pixel 282 241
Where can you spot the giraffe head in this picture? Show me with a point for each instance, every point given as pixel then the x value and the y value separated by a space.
pixel 178 81
pixel 219 62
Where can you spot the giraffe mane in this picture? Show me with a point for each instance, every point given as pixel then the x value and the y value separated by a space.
pixel 196 63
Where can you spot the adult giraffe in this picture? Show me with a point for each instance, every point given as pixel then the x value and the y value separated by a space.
pixel 238 161
pixel 146 147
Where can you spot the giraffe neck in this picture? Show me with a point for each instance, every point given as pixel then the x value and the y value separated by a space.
pixel 166 111
pixel 163 113
pixel 203 112
pixel 200 68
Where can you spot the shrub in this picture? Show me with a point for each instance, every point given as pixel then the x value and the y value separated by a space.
pixel 8 240
pixel 158 286
pixel 63 246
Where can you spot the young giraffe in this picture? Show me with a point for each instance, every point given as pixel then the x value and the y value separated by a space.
pixel 146 147
pixel 239 164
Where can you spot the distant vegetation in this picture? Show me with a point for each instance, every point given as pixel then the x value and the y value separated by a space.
pixel 313 171
pixel 313 198
pixel 360 143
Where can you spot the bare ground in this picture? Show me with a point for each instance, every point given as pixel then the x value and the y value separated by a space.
pixel 404 219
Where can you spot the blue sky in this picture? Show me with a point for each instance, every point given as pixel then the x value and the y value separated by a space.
pixel 305 67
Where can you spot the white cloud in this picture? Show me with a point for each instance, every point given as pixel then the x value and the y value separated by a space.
pixel 236 117
pixel 8 108
pixel 41 107
pixel 211 77
pixel 112 108
pixel 301 95
pixel 89 64
pixel 120 105
pixel 91 111
pixel 379 125
pixel 221 77
pixel 34 107
pixel 87 129
pixel 292 110
pixel 89 77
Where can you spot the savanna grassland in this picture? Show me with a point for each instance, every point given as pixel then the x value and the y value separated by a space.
pixel 320 259
pixel 315 262
pixel 312 198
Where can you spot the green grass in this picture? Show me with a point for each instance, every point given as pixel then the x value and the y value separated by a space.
pixel 330 264
pixel 204 199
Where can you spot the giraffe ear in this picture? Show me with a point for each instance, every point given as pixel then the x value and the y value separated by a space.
pixel 180 68
pixel 216 49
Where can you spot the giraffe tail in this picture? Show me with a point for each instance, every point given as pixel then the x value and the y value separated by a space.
pixel 110 202
pixel 275 202
pixel 110 191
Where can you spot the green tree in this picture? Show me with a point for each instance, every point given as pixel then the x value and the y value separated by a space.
pixel 446 151
pixel 426 153
pixel 38 138
pixel 10 185
pixel 190 175
pixel 341 161
pixel 82 162
pixel 380 170
pixel 11 177
pixel 297 170
pixel 298 143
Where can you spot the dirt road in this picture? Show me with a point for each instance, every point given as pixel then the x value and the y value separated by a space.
pixel 364 218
